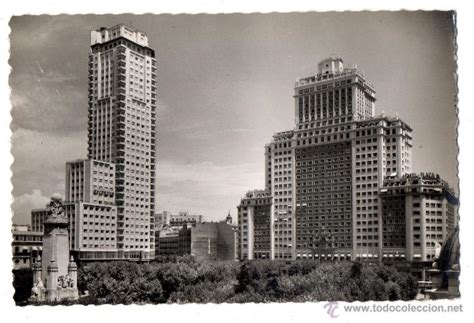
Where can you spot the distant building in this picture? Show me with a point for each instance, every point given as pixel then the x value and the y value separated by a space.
pixel 254 226
pixel 26 246
pixel 419 211
pixel 167 232
pixel 167 241
pixel 228 218
pixel 166 218
pixel 37 219
pixel 162 219
pixel 208 240
pixel 213 241
pixel 183 218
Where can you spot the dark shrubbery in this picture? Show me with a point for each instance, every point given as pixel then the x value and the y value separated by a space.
pixel 22 282
pixel 120 283
pixel 184 280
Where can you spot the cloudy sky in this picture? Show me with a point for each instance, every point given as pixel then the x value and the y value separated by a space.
pixel 225 86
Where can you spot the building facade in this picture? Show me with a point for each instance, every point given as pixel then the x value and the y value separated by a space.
pixel 254 225
pixel 168 241
pixel 162 219
pixel 279 156
pixel 183 218
pixel 90 207
pixel 208 240
pixel 324 175
pixel 419 211
pixel 342 154
pixel 213 241
pixel 166 218
pixel 26 246
pixel 37 219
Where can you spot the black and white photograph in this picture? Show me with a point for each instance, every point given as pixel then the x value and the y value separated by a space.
pixel 305 157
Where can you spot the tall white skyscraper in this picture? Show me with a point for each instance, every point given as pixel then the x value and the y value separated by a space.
pixel 122 116
pixel 121 134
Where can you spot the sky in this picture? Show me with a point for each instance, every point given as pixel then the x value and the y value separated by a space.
pixel 225 86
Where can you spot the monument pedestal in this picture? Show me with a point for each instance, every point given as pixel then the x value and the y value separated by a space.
pixel 55 277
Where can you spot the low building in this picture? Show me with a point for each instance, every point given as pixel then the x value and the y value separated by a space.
pixel 166 218
pixel 208 240
pixel 91 210
pixel 418 213
pixel 167 241
pixel 213 241
pixel 26 246
pixel 184 217
pixel 254 225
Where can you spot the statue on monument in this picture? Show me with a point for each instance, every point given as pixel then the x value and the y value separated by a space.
pixel 65 281
pixel 55 208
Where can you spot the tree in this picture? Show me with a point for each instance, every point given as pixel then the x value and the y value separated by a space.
pixel 22 283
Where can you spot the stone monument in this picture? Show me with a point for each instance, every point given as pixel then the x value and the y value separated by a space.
pixel 446 269
pixel 55 275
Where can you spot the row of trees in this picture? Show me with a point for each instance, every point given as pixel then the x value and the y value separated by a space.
pixel 185 280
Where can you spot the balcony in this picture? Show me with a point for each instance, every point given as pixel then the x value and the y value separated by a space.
pixel 121 57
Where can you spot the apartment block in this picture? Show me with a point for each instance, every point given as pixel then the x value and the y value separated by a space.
pixel 90 206
pixel 419 211
pixel 324 175
pixel 27 246
pixel 254 225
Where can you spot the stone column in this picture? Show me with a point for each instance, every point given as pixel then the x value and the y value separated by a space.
pixel 52 280
pixel 72 272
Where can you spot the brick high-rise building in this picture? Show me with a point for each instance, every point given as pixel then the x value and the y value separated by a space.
pixel 342 154
pixel 324 176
